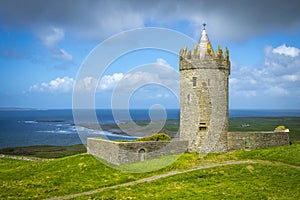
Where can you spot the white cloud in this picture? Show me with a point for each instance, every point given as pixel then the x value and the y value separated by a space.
pixel 138 78
pixel 87 84
pixel 52 37
pixel 287 51
pixel 108 82
pixel 133 79
pixel 160 96
pixel 279 75
pixel 160 61
pixel 160 73
pixel 58 85
pixel 291 77
pixel 277 91
pixel 64 55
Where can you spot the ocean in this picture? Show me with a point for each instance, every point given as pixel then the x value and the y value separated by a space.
pixel 56 127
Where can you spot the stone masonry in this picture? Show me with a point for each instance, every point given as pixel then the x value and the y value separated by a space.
pixel 204 97
pixel 126 152
pixel 256 140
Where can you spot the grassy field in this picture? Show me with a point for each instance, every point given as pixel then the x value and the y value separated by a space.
pixel 72 171
pixel 267 124
pixel 44 151
pixel 82 172
pixel 247 181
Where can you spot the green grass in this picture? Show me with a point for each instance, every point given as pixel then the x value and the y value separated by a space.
pixel 45 151
pixel 79 173
pixel 267 124
pixel 246 181
pixel 24 179
pixel 285 154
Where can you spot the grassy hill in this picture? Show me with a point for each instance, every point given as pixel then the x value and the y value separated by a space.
pixel 277 177
pixel 273 173
pixel 246 181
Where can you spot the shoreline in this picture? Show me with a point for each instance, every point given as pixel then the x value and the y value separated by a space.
pixel 172 126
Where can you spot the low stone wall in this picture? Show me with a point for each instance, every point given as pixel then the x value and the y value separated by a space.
pixel 127 152
pixel 255 140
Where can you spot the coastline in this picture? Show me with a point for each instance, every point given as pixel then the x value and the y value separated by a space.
pixel 56 127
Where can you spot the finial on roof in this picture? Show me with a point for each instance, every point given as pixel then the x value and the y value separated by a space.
pixel 204 24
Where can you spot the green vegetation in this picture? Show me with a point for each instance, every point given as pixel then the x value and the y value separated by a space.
pixel 289 155
pixel 25 179
pixel 79 173
pixel 245 181
pixel 45 151
pixel 155 137
pixel 267 124
pixel 280 128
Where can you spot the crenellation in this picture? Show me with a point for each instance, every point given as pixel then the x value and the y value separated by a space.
pixel 192 59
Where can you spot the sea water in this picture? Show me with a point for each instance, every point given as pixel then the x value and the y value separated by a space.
pixel 56 127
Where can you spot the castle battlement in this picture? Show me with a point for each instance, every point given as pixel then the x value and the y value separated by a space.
pixel 204 58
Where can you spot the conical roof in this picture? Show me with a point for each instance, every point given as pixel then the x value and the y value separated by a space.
pixel 203 41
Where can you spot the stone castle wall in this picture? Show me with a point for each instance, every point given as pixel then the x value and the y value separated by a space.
pixel 256 140
pixel 204 100
pixel 127 152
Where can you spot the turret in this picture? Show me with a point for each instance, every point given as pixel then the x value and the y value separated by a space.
pixel 204 96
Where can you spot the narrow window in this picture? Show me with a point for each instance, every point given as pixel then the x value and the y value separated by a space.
pixel 202 126
pixel 189 98
pixel 194 81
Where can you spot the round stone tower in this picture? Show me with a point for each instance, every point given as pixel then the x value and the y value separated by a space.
pixel 204 96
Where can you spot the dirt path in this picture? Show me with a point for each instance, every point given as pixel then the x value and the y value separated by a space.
pixel 152 178
pixel 156 177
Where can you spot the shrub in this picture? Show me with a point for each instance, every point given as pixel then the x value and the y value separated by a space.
pixel 280 128
pixel 155 137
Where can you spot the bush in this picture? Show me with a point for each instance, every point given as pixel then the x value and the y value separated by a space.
pixel 155 137
pixel 280 128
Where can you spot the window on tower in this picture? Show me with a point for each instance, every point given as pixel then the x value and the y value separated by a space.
pixel 194 81
pixel 202 126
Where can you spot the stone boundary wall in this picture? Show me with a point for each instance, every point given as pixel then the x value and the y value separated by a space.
pixel 126 152
pixel 255 140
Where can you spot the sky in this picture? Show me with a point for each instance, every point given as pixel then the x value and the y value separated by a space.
pixel 45 44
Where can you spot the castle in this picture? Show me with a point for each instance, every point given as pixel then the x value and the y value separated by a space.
pixel 204 104
pixel 203 114
pixel 204 96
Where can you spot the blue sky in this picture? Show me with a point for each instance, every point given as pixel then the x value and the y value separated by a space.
pixel 44 43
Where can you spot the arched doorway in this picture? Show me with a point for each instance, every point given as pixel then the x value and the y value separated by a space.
pixel 142 154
